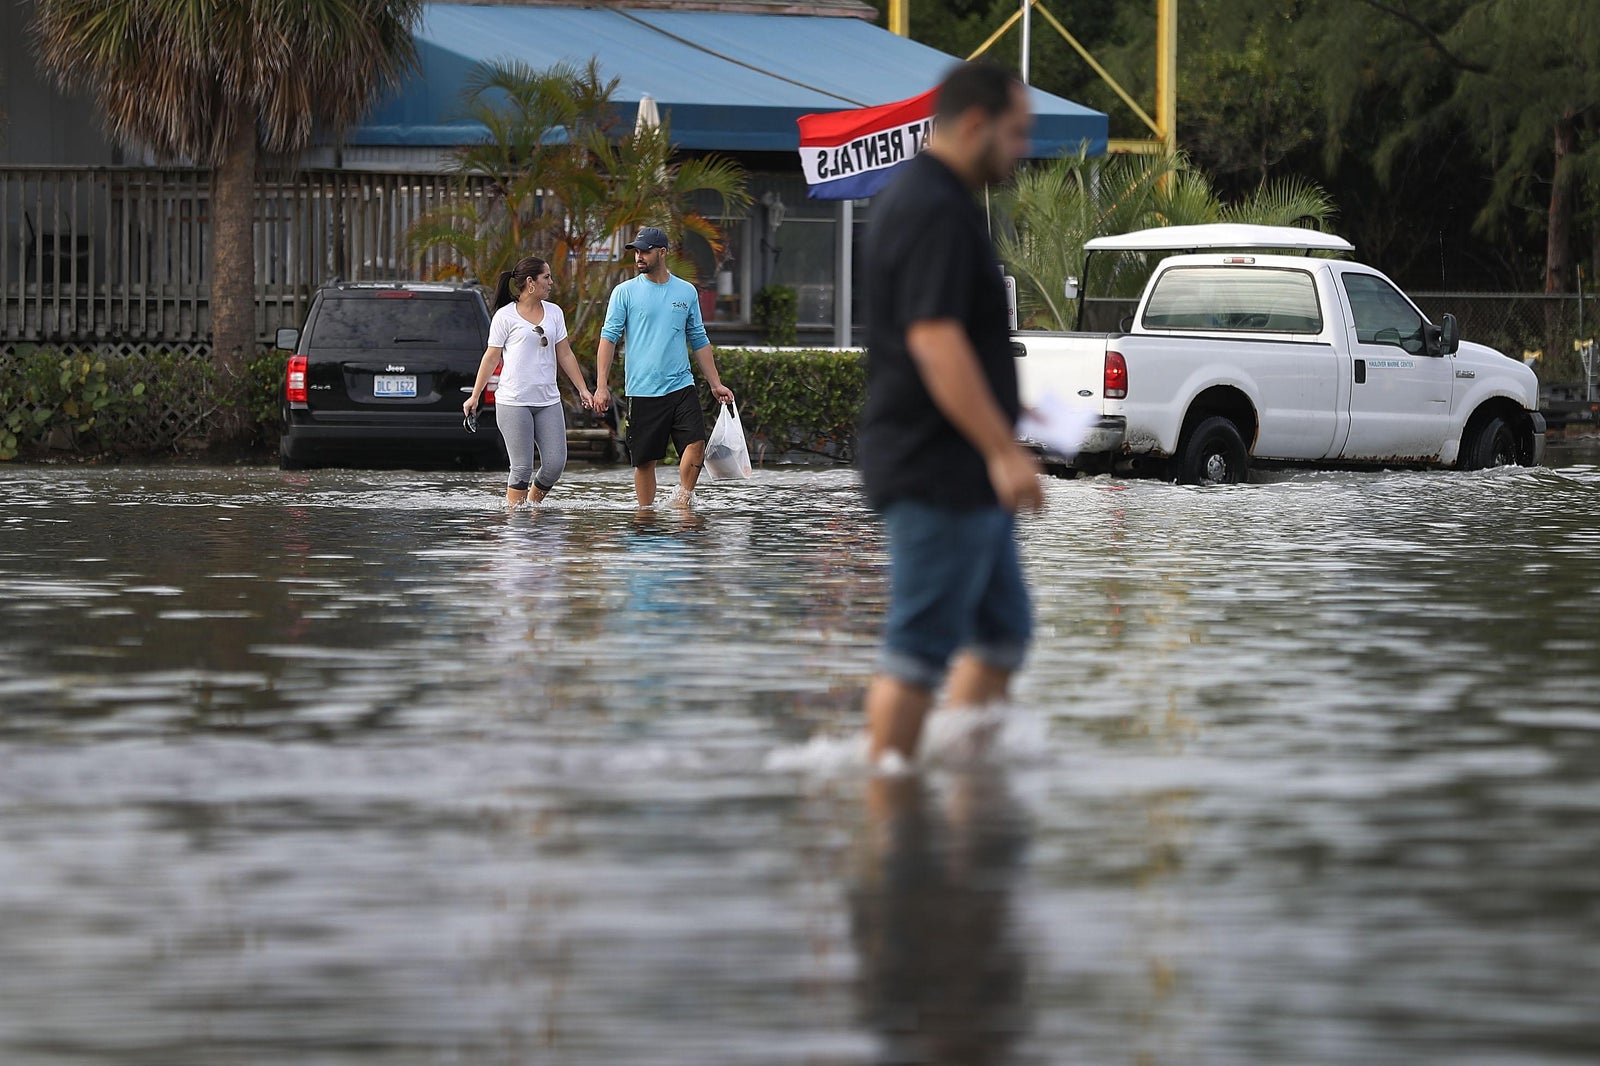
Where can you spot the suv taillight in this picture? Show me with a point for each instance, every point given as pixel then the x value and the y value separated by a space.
pixel 294 383
pixel 494 383
pixel 1116 383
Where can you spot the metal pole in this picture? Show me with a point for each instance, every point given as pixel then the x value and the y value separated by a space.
pixel 1027 37
pixel 900 17
pixel 845 274
pixel 1167 72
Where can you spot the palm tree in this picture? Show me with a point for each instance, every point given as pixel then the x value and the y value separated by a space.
pixel 553 177
pixel 214 82
pixel 1054 208
pixel 645 186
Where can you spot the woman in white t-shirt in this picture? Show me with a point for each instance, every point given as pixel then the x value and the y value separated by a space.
pixel 529 335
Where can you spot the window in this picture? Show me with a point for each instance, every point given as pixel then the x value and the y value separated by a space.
pixel 805 254
pixel 723 283
pixel 1382 314
pixel 1235 299
pixel 407 323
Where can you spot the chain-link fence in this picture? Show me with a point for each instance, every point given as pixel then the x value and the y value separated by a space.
pixel 1521 323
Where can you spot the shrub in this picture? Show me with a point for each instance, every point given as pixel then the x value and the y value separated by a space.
pixel 137 403
pixel 796 401
pixel 44 392
pixel 265 393
pixel 180 400
pixel 777 312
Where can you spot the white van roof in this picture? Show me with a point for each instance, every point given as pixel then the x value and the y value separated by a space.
pixel 1220 236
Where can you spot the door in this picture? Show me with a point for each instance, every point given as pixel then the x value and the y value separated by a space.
pixel 1399 394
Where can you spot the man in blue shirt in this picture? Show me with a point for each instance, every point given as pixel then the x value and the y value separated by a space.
pixel 660 314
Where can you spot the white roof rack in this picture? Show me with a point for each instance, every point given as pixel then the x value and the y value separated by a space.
pixel 1229 236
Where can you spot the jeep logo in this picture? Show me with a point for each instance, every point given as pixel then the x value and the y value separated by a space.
pixel 394 370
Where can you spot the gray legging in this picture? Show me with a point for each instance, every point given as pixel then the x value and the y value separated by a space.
pixel 520 427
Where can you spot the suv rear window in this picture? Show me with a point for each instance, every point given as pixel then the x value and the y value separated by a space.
pixel 1234 299
pixel 419 322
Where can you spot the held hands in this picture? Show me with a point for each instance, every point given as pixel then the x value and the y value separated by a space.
pixel 600 400
pixel 1015 474
pixel 469 405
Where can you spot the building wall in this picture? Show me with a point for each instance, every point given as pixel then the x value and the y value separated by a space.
pixel 41 125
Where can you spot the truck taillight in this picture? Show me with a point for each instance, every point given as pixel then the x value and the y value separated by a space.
pixel 494 383
pixel 1116 384
pixel 294 383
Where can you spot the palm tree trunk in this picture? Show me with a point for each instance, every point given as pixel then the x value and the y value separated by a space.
pixel 1558 243
pixel 233 276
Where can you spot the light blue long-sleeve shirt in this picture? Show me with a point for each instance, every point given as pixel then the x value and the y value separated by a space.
pixel 663 326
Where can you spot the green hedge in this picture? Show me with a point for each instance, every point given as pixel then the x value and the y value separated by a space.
pixel 46 395
pixel 129 402
pixel 795 401
pixel 144 403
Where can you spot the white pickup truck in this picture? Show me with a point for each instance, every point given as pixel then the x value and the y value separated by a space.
pixel 1245 348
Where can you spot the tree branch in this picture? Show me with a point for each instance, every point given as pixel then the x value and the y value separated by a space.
pixel 1433 38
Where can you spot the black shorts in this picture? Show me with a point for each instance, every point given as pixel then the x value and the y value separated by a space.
pixel 654 420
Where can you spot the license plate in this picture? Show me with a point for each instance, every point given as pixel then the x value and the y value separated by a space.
pixel 394 385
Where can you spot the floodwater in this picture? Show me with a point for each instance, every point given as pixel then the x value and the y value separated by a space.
pixel 349 768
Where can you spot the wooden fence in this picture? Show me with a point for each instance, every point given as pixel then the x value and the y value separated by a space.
pixel 120 253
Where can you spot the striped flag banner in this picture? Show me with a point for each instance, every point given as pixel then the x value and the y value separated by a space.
pixel 849 155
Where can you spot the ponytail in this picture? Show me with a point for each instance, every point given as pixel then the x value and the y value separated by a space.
pixel 502 291
pixel 513 281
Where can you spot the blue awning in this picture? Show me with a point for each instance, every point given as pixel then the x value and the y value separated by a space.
pixel 724 81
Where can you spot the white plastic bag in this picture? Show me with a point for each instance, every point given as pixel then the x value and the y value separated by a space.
pixel 727 455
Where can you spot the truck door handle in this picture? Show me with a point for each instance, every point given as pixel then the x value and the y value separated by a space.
pixel 1018 350
pixel 1361 371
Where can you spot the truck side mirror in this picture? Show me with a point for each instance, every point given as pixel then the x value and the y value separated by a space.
pixel 1070 289
pixel 1449 335
pixel 287 339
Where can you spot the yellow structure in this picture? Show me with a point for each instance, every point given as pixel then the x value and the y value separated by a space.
pixel 1164 125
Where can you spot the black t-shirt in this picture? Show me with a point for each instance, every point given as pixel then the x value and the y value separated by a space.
pixel 928 256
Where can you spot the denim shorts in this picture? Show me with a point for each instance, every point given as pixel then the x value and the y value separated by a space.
pixel 955 585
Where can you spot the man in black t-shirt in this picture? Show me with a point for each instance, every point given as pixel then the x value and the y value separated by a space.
pixel 939 457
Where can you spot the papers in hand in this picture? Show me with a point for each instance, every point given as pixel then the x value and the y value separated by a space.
pixel 1057 423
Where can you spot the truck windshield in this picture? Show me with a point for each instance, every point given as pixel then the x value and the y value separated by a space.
pixel 1234 299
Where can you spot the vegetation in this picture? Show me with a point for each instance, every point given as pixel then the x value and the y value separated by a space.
pixel 159 402
pixel 1055 207
pixel 555 178
pixel 796 401
pixel 46 394
pixel 1461 138
pixel 776 310
pixel 215 83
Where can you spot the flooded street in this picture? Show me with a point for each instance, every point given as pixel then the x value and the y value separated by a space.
pixel 350 768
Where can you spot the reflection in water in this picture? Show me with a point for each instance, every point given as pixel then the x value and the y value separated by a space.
pixel 354 769
pixel 942 972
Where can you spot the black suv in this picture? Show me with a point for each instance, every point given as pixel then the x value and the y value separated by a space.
pixel 379 373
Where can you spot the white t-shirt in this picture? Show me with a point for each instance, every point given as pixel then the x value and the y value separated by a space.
pixel 528 378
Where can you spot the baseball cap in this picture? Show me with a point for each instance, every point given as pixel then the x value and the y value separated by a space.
pixel 649 238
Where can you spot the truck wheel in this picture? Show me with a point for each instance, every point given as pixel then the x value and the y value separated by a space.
pixel 1495 444
pixel 1213 454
